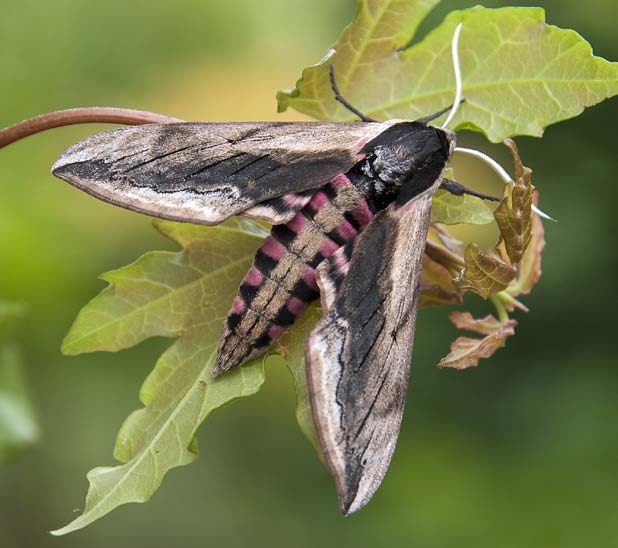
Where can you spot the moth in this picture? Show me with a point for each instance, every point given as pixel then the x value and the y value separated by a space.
pixel 350 208
pixel 349 205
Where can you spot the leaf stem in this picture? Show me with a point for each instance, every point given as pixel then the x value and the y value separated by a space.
pixel 497 302
pixel 507 298
pixel 87 115
pixel 457 71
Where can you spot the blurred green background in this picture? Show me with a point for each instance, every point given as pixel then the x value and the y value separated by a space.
pixel 520 452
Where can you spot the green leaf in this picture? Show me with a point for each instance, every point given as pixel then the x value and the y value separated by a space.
pixel 367 45
pixel 18 426
pixel 467 351
pixel 185 295
pixel 519 74
pixel 292 347
pixel 449 209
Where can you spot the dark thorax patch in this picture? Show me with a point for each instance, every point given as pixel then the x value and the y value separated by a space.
pixel 400 163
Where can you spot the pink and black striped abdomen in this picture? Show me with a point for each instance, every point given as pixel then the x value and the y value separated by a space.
pixel 281 282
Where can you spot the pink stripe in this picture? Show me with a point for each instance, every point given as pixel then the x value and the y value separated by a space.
pixel 309 278
pixel 318 200
pixel 254 277
pixel 341 263
pixel 362 213
pixel 297 223
pixel 340 181
pixel 328 248
pixel 346 230
pixel 239 307
pixel 295 306
pixel 274 331
pixel 273 248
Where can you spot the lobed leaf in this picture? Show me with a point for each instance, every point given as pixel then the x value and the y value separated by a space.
pixel 185 295
pixel 520 74
pixel 366 46
pixel 467 351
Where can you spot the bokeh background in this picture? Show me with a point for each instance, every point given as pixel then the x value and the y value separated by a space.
pixel 521 451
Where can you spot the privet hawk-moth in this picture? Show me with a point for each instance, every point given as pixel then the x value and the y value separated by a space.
pixel 350 206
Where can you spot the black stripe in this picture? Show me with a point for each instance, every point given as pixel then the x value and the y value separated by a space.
pixel 262 341
pixel 304 292
pixel 264 263
pixel 283 234
pixel 330 191
pixel 248 292
pixel 316 260
pixel 284 318
pixel 352 220
pixel 309 211
pixel 233 320
pixel 336 237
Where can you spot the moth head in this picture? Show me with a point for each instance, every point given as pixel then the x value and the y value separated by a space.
pixel 448 138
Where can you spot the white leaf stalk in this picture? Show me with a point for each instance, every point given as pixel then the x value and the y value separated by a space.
pixel 458 100
pixel 457 69
pixel 501 172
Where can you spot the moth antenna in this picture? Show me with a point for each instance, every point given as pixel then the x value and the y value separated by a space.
pixel 343 100
pixel 501 172
pixel 431 117
pixel 457 70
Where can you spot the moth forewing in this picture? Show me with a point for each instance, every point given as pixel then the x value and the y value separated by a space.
pixel 206 172
pixel 358 355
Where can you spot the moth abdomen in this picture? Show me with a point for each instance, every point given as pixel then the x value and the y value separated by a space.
pixel 281 282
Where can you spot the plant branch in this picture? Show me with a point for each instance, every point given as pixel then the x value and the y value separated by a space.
pixel 502 314
pixel 88 115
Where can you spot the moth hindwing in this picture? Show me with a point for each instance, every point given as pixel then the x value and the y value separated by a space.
pixel 350 207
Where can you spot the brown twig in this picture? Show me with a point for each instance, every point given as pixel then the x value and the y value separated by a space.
pixel 88 115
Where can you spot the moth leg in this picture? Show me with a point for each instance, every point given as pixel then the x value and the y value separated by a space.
pixel 344 101
pixel 459 190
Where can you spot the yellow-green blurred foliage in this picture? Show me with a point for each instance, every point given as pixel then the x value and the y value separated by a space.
pixel 519 452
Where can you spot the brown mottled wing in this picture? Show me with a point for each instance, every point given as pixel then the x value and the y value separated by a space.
pixel 358 356
pixel 206 172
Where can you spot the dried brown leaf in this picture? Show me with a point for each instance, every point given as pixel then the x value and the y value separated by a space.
pixel 467 351
pixel 444 237
pixel 530 266
pixel 450 260
pixel 514 214
pixel 484 273
pixel 437 286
